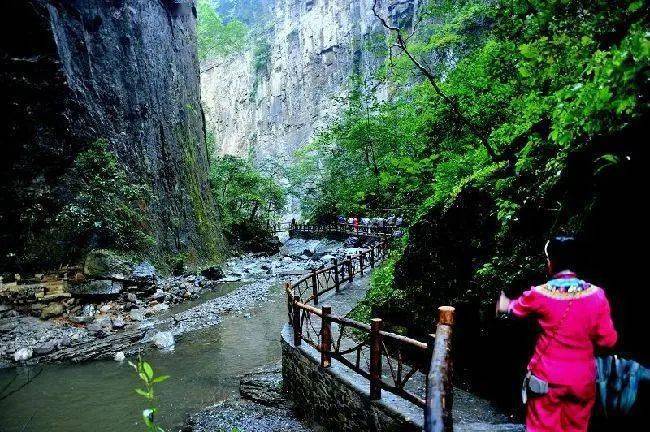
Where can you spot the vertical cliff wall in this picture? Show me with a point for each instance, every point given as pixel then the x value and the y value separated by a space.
pixel 122 70
pixel 272 98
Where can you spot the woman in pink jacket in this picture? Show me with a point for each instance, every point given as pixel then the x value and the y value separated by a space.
pixel 575 319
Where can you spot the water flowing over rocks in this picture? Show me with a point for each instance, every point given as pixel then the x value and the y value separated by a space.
pixel 83 327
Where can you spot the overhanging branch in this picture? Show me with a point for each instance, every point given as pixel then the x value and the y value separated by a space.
pixel 401 43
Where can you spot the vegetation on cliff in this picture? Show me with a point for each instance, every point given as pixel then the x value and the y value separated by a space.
pixel 525 125
pixel 248 200
pixel 216 37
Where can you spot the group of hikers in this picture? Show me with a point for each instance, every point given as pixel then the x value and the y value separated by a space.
pixel 377 222
pixel 564 375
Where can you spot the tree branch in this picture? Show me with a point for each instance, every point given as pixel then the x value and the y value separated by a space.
pixel 452 103
pixel 5 393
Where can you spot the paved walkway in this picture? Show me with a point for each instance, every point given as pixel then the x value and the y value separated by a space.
pixel 471 413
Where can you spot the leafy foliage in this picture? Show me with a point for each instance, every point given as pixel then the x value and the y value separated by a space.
pixel 104 209
pixel 149 379
pixel 244 195
pixel 537 80
pixel 215 37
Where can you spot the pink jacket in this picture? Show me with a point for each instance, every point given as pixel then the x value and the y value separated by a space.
pixel 565 355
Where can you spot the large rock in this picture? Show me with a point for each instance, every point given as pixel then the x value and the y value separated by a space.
pixel 96 288
pixel 213 273
pixel 137 315
pixel 263 385
pixel 164 341
pixel 104 264
pixel 123 70
pixel 46 348
pixel 144 273
pixel 23 354
pixel 52 310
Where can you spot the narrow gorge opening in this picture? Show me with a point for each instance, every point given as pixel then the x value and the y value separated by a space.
pixel 170 167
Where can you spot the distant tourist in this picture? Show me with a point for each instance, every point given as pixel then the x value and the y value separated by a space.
pixel 560 386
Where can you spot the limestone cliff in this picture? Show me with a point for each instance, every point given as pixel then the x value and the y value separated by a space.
pixel 122 70
pixel 272 98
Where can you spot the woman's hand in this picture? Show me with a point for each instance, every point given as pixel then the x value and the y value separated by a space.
pixel 503 304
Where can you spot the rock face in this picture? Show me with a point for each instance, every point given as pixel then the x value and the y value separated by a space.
pixel 122 70
pixel 272 98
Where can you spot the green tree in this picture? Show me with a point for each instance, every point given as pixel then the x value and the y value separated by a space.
pixel 215 37
pixel 244 195
pixel 104 209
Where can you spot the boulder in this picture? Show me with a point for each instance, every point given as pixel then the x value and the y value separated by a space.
pixel 64 342
pixel 82 319
pixel 157 308
pixel 351 242
pixel 105 264
pixel 52 310
pixel 144 273
pixel 46 348
pixel 159 294
pixel 212 273
pixel 96 288
pixel 137 314
pixel 164 341
pixel 119 356
pixel 118 322
pixel 131 297
pixel 23 354
pixel 263 385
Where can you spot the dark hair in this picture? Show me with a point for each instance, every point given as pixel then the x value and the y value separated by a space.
pixel 562 251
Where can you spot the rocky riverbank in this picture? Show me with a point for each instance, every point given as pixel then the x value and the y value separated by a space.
pixel 96 323
pixel 261 408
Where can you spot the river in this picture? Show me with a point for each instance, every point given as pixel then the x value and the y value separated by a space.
pixel 204 369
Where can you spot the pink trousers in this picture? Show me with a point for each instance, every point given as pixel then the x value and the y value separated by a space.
pixel 562 409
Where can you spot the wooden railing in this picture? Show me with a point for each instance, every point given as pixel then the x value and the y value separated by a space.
pixel 344 228
pixel 389 361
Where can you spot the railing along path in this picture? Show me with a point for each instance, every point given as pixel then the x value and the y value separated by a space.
pixel 388 360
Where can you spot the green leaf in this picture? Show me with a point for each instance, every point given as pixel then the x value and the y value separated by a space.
pixel 148 370
pixel 160 379
pixel 635 6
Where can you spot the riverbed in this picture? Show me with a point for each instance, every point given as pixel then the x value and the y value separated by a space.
pixel 204 368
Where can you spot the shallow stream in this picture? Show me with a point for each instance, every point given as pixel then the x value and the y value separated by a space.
pixel 99 396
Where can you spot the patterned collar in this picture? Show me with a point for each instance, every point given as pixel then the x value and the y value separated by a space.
pixel 566 285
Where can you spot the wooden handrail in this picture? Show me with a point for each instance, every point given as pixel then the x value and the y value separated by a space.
pixel 439 395
pixel 437 414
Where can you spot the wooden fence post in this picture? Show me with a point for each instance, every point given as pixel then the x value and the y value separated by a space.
pixel 287 285
pixel 375 358
pixel 337 282
pixel 314 285
pixel 297 327
pixel 361 255
pixel 372 256
pixel 326 337
pixel 350 269
pixel 437 414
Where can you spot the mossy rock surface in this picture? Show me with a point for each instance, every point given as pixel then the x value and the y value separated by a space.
pixel 106 264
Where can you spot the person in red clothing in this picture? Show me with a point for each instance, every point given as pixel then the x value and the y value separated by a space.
pixel 575 319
